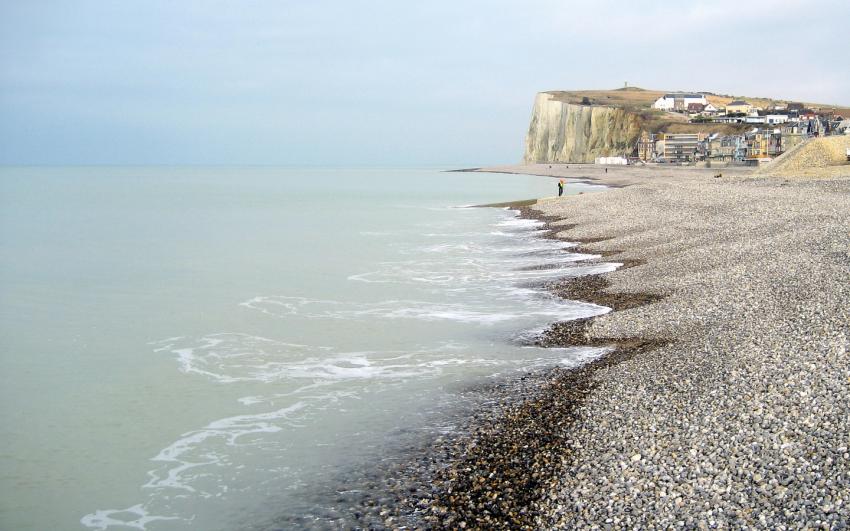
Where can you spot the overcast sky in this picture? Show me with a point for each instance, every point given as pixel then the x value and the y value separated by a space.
pixel 377 82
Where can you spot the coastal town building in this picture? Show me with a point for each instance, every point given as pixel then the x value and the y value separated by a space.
pixel 792 128
pixel 681 147
pixel 738 107
pixel 727 119
pixel 776 118
pixel 725 148
pixel 678 101
pixel 763 144
pixel 646 146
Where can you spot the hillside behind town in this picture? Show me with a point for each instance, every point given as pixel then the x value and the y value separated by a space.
pixel 637 99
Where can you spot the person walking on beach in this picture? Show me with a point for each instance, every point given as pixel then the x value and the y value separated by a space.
pixel 560 188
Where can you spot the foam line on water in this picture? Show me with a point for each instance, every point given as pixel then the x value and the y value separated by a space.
pixel 526 304
pixel 187 467
pixel 521 223
pixel 135 517
pixel 475 273
pixel 193 449
pixel 571 357
pixel 229 358
pixel 490 249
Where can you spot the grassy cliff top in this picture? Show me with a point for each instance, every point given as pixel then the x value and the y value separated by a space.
pixel 638 99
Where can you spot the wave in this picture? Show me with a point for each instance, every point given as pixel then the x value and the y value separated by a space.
pixel 530 305
pixel 523 223
pixel 135 517
pixel 234 357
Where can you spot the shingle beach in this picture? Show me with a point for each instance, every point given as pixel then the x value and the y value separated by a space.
pixel 734 409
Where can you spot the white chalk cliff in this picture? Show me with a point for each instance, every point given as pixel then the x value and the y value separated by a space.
pixel 565 132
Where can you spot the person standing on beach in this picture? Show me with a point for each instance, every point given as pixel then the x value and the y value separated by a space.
pixel 560 188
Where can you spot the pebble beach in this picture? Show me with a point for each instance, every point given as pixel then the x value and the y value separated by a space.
pixel 742 419
pixel 724 400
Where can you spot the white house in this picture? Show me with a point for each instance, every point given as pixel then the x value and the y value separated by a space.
pixel 678 101
pixel 776 118
pixel 709 109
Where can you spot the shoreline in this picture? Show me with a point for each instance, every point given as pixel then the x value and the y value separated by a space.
pixel 724 425
pixel 496 467
pixel 412 484
pixel 501 429
pixel 724 404
pixel 502 471
pixel 503 466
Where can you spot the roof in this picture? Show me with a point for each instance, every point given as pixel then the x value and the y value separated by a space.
pixel 737 102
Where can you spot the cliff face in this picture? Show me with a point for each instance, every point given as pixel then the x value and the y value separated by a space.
pixel 565 132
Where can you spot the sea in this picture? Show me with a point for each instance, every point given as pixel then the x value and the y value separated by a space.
pixel 215 348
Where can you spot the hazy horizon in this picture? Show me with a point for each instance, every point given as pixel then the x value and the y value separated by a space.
pixel 378 83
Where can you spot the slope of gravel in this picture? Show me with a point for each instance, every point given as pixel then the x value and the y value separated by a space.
pixel 744 419
pixel 819 157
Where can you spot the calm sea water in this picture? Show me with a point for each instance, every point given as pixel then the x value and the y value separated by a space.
pixel 198 348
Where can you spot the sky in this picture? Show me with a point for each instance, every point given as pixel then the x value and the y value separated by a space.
pixel 373 82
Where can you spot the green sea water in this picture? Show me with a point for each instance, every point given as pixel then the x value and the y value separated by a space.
pixel 200 348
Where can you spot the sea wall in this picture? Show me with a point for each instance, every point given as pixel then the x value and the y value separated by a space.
pixel 566 132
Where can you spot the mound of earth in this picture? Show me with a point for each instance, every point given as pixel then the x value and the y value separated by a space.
pixel 819 157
